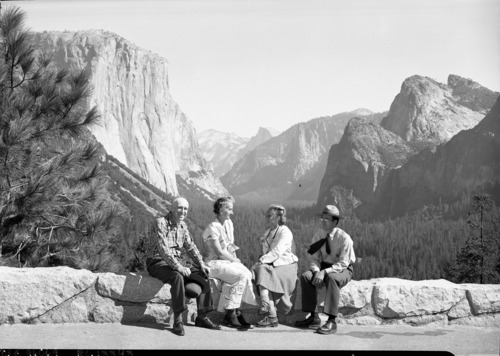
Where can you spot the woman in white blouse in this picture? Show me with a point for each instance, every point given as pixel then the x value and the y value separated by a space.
pixel 226 266
pixel 276 271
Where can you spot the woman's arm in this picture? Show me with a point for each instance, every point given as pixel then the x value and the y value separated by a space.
pixel 281 243
pixel 223 254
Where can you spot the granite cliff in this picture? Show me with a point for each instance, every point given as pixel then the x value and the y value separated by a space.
pixel 469 162
pixel 142 126
pixel 424 116
pixel 223 149
pixel 290 165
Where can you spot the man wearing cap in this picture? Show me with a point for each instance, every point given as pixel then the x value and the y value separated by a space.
pixel 331 256
pixel 167 262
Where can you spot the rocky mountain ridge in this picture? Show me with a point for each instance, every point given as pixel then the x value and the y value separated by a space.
pixel 281 167
pixel 423 117
pixel 142 126
pixel 223 149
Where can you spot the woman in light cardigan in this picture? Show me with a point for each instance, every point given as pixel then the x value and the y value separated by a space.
pixel 225 265
pixel 276 271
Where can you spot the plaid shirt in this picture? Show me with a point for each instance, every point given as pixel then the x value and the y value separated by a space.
pixel 167 241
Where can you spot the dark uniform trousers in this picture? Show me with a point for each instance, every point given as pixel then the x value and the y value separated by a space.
pixel 333 281
pixel 167 274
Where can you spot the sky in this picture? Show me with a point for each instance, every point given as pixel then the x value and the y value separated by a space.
pixel 237 65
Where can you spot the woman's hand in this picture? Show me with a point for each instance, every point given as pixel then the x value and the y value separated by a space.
pixel 205 269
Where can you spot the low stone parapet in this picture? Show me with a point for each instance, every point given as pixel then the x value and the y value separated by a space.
pixel 66 295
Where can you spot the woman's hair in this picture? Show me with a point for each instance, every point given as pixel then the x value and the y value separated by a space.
pixel 219 203
pixel 280 212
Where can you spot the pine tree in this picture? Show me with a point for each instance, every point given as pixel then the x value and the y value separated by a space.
pixel 478 259
pixel 54 207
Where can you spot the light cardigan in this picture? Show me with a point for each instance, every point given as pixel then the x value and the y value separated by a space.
pixel 277 246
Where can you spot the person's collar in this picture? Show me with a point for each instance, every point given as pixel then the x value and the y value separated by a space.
pixel 172 223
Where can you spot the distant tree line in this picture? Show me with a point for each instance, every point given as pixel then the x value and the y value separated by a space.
pixel 63 201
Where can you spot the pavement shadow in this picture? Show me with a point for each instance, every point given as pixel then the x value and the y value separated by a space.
pixel 380 334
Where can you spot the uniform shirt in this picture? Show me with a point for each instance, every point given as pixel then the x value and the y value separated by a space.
pixel 277 246
pixel 167 241
pixel 224 234
pixel 341 251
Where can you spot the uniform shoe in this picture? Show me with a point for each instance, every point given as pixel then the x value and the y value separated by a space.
pixel 206 323
pixel 330 327
pixel 268 321
pixel 178 328
pixel 311 322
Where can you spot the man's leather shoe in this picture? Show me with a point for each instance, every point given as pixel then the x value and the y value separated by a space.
pixel 178 328
pixel 310 322
pixel 206 323
pixel 330 327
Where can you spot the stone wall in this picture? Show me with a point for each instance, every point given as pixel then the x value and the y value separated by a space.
pixel 66 295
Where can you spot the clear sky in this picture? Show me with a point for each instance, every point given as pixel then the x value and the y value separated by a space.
pixel 235 65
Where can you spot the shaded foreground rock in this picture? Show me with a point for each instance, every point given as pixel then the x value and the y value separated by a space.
pixel 66 295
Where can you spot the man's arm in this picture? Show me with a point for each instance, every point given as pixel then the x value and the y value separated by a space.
pixel 191 248
pixel 346 254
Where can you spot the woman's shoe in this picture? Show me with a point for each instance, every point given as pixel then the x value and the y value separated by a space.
pixel 231 321
pixel 268 321
pixel 242 321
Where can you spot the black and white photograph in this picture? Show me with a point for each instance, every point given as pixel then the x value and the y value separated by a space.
pixel 233 175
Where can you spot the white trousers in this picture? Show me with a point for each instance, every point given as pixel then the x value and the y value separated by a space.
pixel 236 284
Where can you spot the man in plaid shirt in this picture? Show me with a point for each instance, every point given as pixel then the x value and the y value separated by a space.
pixel 167 261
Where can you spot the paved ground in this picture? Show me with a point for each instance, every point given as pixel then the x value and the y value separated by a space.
pixel 458 340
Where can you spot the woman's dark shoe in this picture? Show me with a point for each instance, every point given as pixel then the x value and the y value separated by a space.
pixel 268 321
pixel 178 328
pixel 311 322
pixel 231 321
pixel 206 323
pixel 330 327
pixel 242 321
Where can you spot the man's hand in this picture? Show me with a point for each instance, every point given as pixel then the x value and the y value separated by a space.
pixel 318 278
pixel 184 271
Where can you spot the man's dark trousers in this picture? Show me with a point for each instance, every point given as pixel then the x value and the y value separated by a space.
pixel 166 274
pixel 334 282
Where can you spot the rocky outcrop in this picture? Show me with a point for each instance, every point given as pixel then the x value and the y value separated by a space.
pixel 142 126
pixel 65 295
pixel 430 113
pixel 358 163
pixel 280 168
pixel 223 149
pixel 220 149
pixel 470 161
pixel 393 168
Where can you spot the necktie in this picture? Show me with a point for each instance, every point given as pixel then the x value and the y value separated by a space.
pixel 317 245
